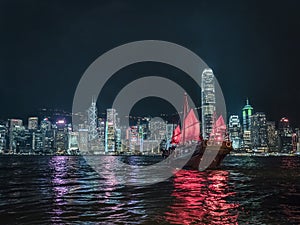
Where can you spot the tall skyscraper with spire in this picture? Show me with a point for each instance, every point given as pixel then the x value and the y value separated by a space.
pixel 208 102
pixel 92 121
pixel 247 114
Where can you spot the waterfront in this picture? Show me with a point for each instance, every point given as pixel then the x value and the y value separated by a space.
pixel 64 189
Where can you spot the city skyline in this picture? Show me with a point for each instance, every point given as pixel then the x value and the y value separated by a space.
pixel 252 132
pixel 251 46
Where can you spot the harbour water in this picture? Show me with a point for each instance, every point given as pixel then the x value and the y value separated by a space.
pixel 66 190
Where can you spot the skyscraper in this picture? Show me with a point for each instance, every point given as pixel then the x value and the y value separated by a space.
pixel 3 134
pixel 118 145
pixel 208 102
pixel 259 138
pixel 133 139
pixel 14 126
pixel 48 136
pixel 61 136
pixel 45 125
pixel 297 133
pixel 83 139
pixel 92 121
pixel 246 114
pixel 272 136
pixel 110 131
pixel 73 142
pixel 38 141
pixel 234 129
pixel 158 129
pixel 101 133
pixel 169 132
pixel 285 134
pixel 33 123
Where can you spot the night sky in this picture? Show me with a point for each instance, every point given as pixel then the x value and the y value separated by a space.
pixel 252 46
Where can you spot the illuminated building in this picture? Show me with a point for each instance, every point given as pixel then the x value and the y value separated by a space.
pixel 133 139
pixel 169 133
pixel 38 142
pixel 48 135
pixel 33 123
pixel 73 142
pixel 246 143
pixel 83 135
pixel 297 133
pixel 45 124
pixel 234 129
pixel 92 121
pixel 208 102
pixel 272 136
pixel 3 135
pixel 118 140
pixel 14 126
pixel 246 115
pixel 141 138
pixel 21 139
pixel 61 136
pixel 110 131
pixel 285 135
pixel 101 134
pixel 158 129
pixel 294 142
pixel 259 138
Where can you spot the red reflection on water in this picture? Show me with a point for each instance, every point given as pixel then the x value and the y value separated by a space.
pixel 200 198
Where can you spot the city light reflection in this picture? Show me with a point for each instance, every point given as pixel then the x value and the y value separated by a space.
pixel 200 198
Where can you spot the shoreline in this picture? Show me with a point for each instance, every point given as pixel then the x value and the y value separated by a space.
pixel 273 154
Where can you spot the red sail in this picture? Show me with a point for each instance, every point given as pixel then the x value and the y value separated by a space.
pixel 176 135
pixel 191 127
pixel 186 109
pixel 220 124
pixel 219 129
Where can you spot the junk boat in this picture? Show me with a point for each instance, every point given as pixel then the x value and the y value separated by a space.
pixel 189 149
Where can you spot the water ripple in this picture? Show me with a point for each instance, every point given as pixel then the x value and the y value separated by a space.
pixel 64 190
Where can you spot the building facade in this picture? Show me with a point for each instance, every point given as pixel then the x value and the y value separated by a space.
pixel 272 136
pixel 285 135
pixel 247 112
pixel 234 130
pixel 3 138
pixel 259 137
pixel 33 123
pixel 110 131
pixel 208 102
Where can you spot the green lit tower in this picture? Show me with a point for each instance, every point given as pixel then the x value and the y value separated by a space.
pixel 247 113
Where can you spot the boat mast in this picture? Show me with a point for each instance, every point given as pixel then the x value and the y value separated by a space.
pixel 185 112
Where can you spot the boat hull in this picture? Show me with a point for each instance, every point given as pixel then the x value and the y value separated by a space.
pixel 200 156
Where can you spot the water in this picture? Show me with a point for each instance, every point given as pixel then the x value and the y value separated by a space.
pixel 64 190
